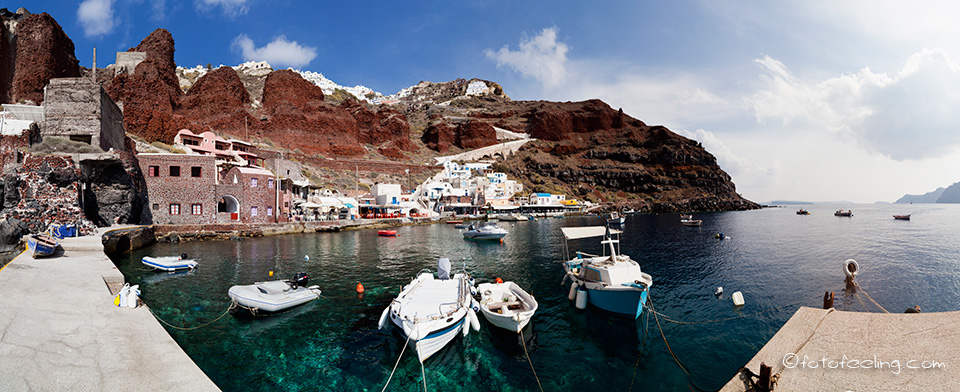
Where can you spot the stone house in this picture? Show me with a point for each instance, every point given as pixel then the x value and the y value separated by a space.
pixel 188 189
pixel 79 109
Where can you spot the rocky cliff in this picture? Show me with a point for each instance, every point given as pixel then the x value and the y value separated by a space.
pixel 34 49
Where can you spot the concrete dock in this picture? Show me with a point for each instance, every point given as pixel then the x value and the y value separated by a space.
pixel 59 329
pixel 830 350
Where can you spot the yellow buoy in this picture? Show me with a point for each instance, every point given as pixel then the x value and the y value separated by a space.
pixel 271 274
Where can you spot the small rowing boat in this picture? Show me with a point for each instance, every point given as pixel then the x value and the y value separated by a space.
pixel 169 263
pixel 506 305
pixel 276 295
pixel 41 245
pixel 387 233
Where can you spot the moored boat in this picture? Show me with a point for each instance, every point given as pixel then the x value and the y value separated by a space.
pixel 454 221
pixel 169 263
pixel 615 219
pixel 843 212
pixel 485 232
pixel 387 233
pixel 275 295
pixel 41 244
pixel 431 311
pixel 803 212
pixel 902 217
pixel 506 305
pixel 692 222
pixel 612 281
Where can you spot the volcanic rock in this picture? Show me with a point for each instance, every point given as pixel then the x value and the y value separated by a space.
pixel 475 134
pixel 39 51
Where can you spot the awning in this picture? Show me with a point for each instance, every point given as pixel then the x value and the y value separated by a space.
pixel 348 205
pixel 310 205
pixel 575 233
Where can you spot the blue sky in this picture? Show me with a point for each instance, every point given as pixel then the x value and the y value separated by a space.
pixel 803 100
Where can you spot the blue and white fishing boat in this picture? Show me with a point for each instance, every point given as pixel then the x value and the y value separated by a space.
pixel 169 263
pixel 431 311
pixel 41 245
pixel 611 281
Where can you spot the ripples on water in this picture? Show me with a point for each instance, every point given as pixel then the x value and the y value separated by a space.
pixel 779 260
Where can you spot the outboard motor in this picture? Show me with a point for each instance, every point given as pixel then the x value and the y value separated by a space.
pixel 443 268
pixel 300 279
pixel 183 256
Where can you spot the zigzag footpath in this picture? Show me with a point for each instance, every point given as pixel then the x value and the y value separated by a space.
pixel 59 329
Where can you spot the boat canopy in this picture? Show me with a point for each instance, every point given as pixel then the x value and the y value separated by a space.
pixel 575 233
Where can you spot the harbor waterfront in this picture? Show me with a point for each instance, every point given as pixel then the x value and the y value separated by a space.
pixel 779 261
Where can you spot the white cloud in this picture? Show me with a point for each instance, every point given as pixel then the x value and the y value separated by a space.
pixel 734 164
pixel 278 53
pixel 159 8
pixel 96 17
pixel 541 57
pixel 230 8
pixel 910 115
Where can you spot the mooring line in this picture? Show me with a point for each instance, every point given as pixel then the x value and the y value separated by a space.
pixel 524 342
pixel 397 364
pixel 868 296
pixel 233 304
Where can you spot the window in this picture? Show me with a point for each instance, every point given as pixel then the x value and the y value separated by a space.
pixel 153 171
pixel 253 211
pixel 270 183
pixel 195 171
pixel 253 182
pixel 156 206
pixel 269 211
pixel 174 209
pixel 174 171
pixel 196 209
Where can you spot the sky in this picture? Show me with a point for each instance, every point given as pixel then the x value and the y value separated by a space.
pixel 798 100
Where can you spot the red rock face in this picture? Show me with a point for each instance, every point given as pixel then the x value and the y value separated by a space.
pixel 218 100
pixel 557 121
pixel 43 52
pixel 439 136
pixel 475 134
pixel 152 93
pixel 286 85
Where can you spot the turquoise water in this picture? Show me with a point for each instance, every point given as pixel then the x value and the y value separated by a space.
pixel 779 260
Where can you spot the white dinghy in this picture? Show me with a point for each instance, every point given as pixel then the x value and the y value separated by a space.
pixel 276 295
pixel 506 305
pixel 431 311
pixel 169 263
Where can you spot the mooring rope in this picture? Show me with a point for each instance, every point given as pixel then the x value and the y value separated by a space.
pixel 668 319
pixel 646 327
pixel 855 283
pixel 397 364
pixel 423 373
pixel 233 304
pixel 691 384
pixel 524 342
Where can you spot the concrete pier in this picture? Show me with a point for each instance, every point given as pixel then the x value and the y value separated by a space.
pixel 59 329
pixel 830 350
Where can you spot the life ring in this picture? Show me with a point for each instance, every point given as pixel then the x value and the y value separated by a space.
pixel 851 268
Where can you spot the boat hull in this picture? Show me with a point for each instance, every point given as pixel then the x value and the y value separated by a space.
pixel 511 320
pixel 170 263
pixel 484 236
pixel 41 246
pixel 431 312
pixel 625 302
pixel 275 299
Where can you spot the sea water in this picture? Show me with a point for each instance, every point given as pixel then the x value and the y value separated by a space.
pixel 779 261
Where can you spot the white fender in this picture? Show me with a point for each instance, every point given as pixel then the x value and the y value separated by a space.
pixel 582 298
pixel 573 291
pixel 132 295
pixel 474 321
pixel 566 277
pixel 465 328
pixel 383 318
pixel 851 268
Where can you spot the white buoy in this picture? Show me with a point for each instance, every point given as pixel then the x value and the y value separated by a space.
pixel 581 298
pixel 851 268
pixel 737 298
pixel 573 291
pixel 306 257
pixel 719 291
pixel 383 318
pixel 474 321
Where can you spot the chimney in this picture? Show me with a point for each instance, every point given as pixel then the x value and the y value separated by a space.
pixel 94 64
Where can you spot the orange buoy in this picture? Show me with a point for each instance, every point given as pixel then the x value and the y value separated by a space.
pixel 499 280
pixel 359 287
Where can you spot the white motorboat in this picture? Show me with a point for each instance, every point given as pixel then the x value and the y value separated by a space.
pixel 514 217
pixel 613 282
pixel 276 295
pixel 506 305
pixel 169 263
pixel 431 311
pixel 488 231
pixel 615 219
pixel 692 222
